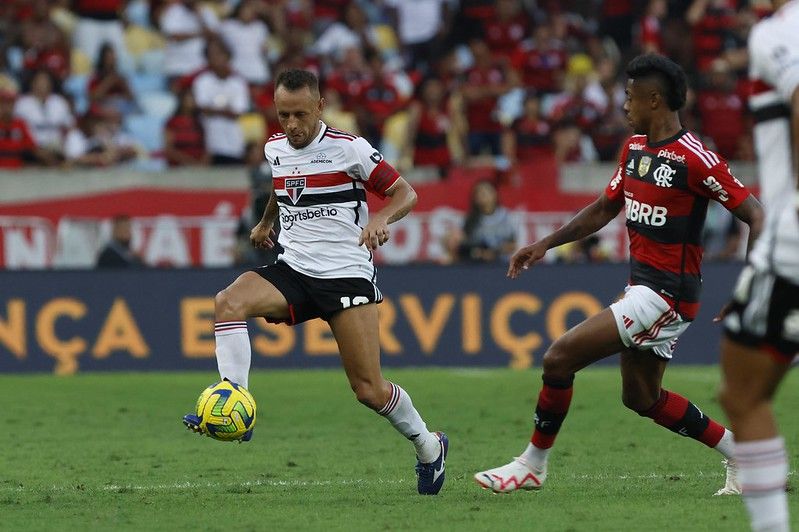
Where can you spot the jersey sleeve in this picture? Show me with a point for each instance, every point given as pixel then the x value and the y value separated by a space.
pixel 786 76
pixel 717 183
pixel 615 189
pixel 368 165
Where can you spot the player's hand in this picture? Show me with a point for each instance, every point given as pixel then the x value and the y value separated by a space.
pixel 261 236
pixel 526 257
pixel 375 234
pixel 723 312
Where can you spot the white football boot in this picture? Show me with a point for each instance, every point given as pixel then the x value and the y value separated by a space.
pixel 731 484
pixel 517 475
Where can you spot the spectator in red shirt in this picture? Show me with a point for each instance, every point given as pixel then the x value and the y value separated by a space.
pixel 483 85
pixel 650 27
pixel 506 29
pixel 712 21
pixel 428 126
pixel 529 137
pixel 107 87
pixel 184 140
pixel 17 146
pixel 721 110
pixel 541 61
pixel 349 76
pixel 617 20
pixel 44 45
pixel 377 101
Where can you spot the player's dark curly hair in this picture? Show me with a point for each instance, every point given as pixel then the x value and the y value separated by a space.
pixel 295 79
pixel 669 76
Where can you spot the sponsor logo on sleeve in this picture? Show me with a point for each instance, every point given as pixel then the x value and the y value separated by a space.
pixel 714 186
pixel 614 183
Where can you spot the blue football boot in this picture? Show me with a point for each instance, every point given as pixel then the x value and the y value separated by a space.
pixel 192 422
pixel 431 476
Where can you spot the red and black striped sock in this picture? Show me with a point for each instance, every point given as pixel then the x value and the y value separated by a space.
pixel 553 405
pixel 679 415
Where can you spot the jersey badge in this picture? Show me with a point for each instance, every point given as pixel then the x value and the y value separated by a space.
pixel 663 175
pixel 294 188
pixel 644 164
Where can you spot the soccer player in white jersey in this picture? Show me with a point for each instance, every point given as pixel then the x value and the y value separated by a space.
pixel 774 73
pixel 761 328
pixel 321 177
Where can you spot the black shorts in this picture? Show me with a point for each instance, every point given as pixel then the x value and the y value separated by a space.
pixel 310 297
pixel 765 314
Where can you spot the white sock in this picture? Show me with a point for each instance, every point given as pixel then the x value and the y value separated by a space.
pixel 535 457
pixel 403 416
pixel 233 351
pixel 726 444
pixel 763 470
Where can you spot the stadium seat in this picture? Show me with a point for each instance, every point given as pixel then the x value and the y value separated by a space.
pixel 151 61
pixel 148 130
pixel 159 105
pixel 253 126
pixel 141 83
pixel 77 88
pixel 80 63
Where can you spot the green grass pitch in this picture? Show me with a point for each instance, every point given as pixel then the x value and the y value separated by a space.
pixel 108 452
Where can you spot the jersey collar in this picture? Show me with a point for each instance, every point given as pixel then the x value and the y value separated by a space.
pixel 669 140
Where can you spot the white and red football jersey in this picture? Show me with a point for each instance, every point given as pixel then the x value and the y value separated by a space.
pixel 774 73
pixel 321 197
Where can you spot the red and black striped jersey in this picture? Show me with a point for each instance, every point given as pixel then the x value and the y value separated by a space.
pixel 666 187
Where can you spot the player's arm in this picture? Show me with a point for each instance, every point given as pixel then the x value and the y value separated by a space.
pixel 588 221
pixel 262 234
pixel 750 212
pixel 402 198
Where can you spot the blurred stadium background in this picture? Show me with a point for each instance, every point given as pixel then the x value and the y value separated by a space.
pixel 144 121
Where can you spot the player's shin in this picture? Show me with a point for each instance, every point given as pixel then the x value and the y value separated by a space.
pixel 233 351
pixel 553 405
pixel 763 471
pixel 402 415
pixel 681 416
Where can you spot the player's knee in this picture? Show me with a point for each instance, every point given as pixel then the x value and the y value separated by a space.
pixel 556 361
pixel 638 400
pixel 227 307
pixel 735 405
pixel 368 393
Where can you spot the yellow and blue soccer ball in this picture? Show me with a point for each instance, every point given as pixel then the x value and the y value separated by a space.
pixel 226 411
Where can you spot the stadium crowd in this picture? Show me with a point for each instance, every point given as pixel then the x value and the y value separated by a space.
pixel 434 83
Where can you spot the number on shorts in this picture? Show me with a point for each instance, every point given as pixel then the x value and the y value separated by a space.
pixel 347 301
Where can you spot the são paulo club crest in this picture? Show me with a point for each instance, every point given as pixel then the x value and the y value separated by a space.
pixel 294 188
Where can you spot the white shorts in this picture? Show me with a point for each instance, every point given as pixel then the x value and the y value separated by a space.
pixel 646 321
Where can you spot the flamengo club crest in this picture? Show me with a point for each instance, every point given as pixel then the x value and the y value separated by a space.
pixel 643 165
pixel 663 175
pixel 294 188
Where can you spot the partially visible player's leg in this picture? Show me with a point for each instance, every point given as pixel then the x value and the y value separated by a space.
pixel 356 332
pixel 751 377
pixel 642 374
pixel 249 295
pixel 591 340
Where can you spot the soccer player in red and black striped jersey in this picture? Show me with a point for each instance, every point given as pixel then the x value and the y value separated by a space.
pixel 664 180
